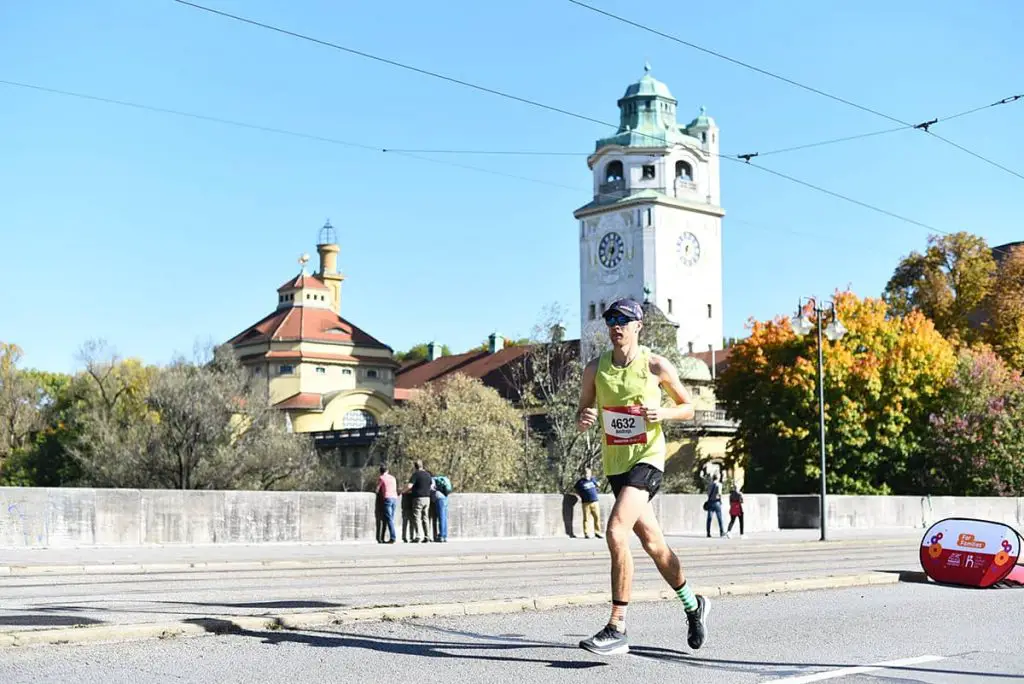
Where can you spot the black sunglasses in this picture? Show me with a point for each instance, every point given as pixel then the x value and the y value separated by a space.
pixel 617 319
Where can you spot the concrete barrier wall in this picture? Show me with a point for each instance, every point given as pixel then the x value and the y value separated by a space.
pixel 103 517
pixel 867 512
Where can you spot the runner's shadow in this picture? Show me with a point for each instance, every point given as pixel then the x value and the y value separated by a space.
pixel 395 646
pixel 670 655
pixel 47 620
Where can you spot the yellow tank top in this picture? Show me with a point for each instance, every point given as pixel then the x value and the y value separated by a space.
pixel 626 437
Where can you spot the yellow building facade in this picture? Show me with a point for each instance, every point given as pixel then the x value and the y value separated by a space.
pixel 326 374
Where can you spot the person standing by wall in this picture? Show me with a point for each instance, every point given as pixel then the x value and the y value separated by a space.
pixel 442 488
pixel 714 505
pixel 587 489
pixel 387 494
pixel 420 485
pixel 735 510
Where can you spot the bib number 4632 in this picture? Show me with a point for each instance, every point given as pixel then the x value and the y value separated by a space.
pixel 624 425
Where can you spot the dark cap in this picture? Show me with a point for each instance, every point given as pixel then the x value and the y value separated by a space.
pixel 627 306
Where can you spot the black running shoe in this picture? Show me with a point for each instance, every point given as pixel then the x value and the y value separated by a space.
pixel 609 641
pixel 698 631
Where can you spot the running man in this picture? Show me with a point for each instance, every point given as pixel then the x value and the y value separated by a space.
pixel 626 385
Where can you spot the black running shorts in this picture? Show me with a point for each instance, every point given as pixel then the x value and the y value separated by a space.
pixel 642 476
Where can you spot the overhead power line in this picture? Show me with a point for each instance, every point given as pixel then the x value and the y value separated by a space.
pixel 414 155
pixel 784 79
pixel 926 126
pixel 530 101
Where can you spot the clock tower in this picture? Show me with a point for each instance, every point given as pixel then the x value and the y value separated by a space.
pixel 654 227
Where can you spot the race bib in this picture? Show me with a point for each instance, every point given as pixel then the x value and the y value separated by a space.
pixel 624 425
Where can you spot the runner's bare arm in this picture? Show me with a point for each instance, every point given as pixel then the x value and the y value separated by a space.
pixel 668 376
pixel 586 416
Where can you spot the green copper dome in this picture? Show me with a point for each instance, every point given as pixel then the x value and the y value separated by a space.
pixel 648 86
pixel 702 121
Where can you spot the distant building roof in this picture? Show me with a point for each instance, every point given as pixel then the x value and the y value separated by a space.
pixel 494 370
pixel 721 359
pixel 303 281
pixel 306 323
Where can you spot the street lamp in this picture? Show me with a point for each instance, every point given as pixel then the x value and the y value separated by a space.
pixel 834 331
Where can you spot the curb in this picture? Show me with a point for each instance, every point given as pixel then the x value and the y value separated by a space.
pixel 327 564
pixel 298 621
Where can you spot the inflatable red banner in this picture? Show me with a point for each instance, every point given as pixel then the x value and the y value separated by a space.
pixel 972 553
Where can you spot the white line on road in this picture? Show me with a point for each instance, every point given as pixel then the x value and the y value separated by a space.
pixel 846 671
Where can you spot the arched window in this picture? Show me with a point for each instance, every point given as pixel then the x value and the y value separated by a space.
pixel 613 172
pixel 684 170
pixel 354 420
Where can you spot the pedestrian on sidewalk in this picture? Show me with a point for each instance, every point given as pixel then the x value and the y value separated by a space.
pixel 735 510
pixel 420 486
pixel 442 488
pixel 387 494
pixel 407 521
pixel 714 504
pixel 622 392
pixel 587 489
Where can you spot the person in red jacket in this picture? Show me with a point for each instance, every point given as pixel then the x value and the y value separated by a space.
pixel 735 510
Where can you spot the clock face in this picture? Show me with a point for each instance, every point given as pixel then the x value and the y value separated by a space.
pixel 610 250
pixel 688 248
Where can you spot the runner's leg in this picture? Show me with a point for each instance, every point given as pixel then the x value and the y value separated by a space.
pixel 648 529
pixel 629 504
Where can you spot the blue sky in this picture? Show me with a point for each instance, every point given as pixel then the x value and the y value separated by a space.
pixel 153 231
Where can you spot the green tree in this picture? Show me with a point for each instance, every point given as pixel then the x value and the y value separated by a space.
pixel 948 284
pixel 882 381
pixel 1005 327
pixel 976 440
pixel 192 425
pixel 418 352
pixel 460 428
pixel 45 460
pixel 20 413
pixel 547 381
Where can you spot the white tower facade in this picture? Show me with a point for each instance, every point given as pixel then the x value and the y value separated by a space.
pixel 654 228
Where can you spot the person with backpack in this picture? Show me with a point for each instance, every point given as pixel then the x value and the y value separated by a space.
pixel 735 510
pixel 442 488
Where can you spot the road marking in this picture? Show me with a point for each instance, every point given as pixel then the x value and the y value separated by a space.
pixel 846 671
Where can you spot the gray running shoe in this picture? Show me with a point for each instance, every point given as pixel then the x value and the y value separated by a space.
pixel 698 631
pixel 609 641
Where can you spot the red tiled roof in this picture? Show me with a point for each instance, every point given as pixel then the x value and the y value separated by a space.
pixel 475 364
pixel 302 280
pixel 306 323
pixel 302 400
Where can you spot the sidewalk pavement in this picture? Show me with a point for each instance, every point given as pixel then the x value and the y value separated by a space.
pixel 140 558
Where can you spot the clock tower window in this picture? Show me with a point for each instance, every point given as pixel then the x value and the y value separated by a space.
pixel 684 170
pixel 593 311
pixel 709 311
pixel 648 173
pixel 669 306
pixel 613 172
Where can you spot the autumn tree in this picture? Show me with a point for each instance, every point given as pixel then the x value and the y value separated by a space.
pixel 1005 326
pixel 976 440
pixel 882 381
pixel 948 284
pixel 460 428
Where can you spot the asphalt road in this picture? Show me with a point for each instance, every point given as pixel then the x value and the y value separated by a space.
pixel 48 601
pixel 925 633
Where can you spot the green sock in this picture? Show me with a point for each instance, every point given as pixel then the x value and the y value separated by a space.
pixel 685 595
